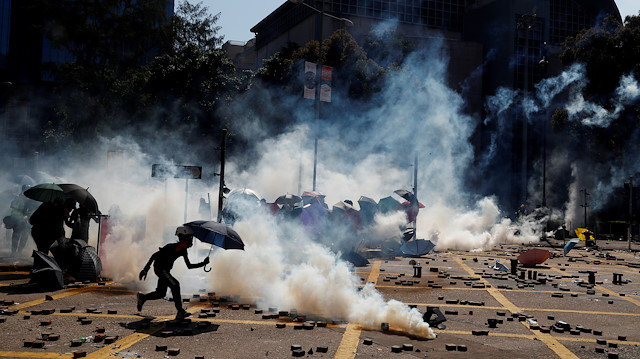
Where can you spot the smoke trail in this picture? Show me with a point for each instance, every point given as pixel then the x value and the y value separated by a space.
pixel 287 270
pixel 592 114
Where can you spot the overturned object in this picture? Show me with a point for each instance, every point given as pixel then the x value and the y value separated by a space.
pixel 438 320
pixel 46 271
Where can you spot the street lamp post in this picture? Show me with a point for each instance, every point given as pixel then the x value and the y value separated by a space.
pixel 526 23
pixel 320 14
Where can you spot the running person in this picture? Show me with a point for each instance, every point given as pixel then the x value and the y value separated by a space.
pixel 163 261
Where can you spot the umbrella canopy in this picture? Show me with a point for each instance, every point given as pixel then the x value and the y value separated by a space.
pixel 218 234
pixel 388 204
pixel 417 248
pixel 408 195
pixel 46 271
pixel 313 217
pixel 532 257
pixel 245 193
pixel 343 209
pixel 82 196
pixel 45 192
pixel 313 194
pixel 368 209
pixel 356 259
pixel 308 196
pixel 501 267
pixel 90 265
pixel 288 199
pixel 407 204
pixel 569 246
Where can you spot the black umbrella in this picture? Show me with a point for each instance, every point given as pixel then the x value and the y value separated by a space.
pixel 417 248
pixel 218 234
pixel 90 265
pixel 289 199
pixel 46 271
pixel 45 192
pixel 356 259
pixel 408 195
pixel 81 195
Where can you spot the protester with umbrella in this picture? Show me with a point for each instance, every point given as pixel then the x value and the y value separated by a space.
pixel 48 223
pixel 163 261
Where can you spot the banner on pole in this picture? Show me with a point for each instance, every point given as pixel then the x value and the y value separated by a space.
pixel 309 80
pixel 325 83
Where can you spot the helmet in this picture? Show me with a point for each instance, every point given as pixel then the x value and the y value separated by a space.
pixel 184 230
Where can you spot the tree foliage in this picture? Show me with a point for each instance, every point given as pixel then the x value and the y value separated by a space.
pixel 608 51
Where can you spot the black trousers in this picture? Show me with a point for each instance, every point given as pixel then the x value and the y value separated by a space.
pixel 166 280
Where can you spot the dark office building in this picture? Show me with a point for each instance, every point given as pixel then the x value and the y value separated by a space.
pixel 24 48
pixel 516 43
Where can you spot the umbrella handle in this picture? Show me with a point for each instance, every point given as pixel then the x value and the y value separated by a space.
pixel 205 269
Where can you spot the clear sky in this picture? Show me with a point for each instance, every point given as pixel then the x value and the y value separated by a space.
pixel 238 16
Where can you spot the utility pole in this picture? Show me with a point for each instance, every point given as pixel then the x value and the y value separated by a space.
pixel 222 149
pixel 585 205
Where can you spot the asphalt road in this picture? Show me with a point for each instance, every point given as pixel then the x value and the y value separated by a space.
pixel 551 311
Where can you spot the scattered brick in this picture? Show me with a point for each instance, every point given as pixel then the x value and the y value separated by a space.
pixel 450 347
pixel 396 349
pixel 79 354
pixel 99 337
pixel 322 349
pixel 161 348
pixel 173 351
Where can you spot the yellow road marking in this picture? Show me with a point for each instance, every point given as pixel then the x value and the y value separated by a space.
pixel 547 339
pixel 610 292
pixel 12 354
pixel 375 272
pixel 64 294
pixel 124 343
pixel 349 343
pixel 14 273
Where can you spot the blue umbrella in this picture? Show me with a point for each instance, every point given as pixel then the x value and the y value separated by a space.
pixel 501 267
pixel 569 246
pixel 218 234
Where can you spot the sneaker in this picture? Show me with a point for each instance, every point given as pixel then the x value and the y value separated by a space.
pixel 140 301
pixel 182 314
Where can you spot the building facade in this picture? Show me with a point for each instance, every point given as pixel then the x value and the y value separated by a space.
pixel 25 53
pixel 516 43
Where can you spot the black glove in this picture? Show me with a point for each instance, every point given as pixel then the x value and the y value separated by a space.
pixel 206 261
pixel 143 274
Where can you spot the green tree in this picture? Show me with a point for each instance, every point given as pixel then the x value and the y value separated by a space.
pixel 194 75
pixel 608 52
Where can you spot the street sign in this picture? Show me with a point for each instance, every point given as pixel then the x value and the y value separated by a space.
pixel 176 171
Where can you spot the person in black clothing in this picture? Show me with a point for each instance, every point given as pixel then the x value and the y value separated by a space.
pixel 163 261
pixel 48 223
